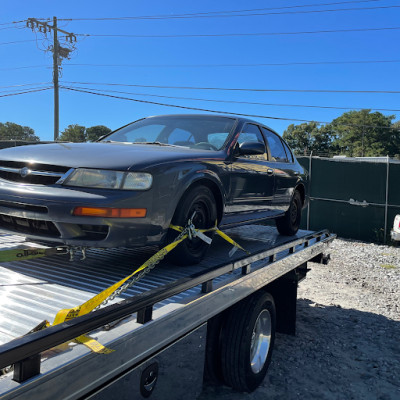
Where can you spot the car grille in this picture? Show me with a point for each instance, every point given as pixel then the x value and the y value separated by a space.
pixel 24 172
pixel 28 226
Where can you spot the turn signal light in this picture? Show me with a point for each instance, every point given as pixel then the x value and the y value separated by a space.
pixel 110 212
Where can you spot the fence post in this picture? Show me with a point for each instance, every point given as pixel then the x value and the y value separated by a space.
pixel 309 191
pixel 387 196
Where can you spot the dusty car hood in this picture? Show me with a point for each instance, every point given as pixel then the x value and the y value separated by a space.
pixel 118 156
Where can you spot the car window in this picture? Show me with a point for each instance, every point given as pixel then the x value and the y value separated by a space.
pixel 251 133
pixel 195 132
pixel 278 153
pixel 148 133
pixel 288 152
pixel 180 137
pixel 217 139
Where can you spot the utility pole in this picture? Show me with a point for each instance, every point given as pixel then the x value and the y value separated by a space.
pixel 55 80
pixel 59 53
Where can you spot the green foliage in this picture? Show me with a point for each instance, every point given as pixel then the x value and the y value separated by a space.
pixel 78 133
pixel 73 133
pixel 307 137
pixel 12 131
pixel 94 132
pixel 354 134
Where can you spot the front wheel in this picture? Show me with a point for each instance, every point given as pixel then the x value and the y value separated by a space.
pixel 289 224
pixel 199 202
pixel 247 340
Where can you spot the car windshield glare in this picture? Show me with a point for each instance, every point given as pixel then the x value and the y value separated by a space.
pixel 206 133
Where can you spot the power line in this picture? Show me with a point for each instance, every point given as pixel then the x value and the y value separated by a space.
pixel 281 64
pixel 236 102
pixel 25 92
pixel 26 84
pixel 239 34
pixel 217 111
pixel 232 65
pixel 236 89
pixel 18 90
pixel 18 41
pixel 23 67
pixel 12 22
pixel 257 14
pixel 213 12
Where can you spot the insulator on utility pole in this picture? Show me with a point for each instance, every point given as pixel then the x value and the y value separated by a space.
pixel 59 53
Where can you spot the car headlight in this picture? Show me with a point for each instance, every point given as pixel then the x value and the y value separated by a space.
pixel 105 179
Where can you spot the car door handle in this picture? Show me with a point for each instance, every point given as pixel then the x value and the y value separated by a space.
pixel 270 171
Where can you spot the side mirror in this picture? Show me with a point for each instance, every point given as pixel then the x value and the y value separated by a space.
pixel 251 148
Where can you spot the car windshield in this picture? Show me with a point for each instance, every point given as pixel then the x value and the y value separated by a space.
pixel 201 132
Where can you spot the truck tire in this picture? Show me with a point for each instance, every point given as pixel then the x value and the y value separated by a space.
pixel 247 340
pixel 201 200
pixel 289 224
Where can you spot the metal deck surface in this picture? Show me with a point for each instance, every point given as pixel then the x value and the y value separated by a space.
pixel 34 290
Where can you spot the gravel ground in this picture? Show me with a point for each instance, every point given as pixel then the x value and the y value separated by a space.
pixel 347 344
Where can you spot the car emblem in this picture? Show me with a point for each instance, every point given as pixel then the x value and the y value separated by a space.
pixel 24 172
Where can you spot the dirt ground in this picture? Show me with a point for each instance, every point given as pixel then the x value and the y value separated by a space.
pixel 347 344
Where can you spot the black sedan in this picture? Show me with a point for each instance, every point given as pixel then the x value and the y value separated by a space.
pixel 126 189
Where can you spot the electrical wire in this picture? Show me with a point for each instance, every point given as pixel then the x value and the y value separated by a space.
pixel 261 14
pixel 18 41
pixel 237 34
pixel 26 84
pixel 214 12
pixel 236 89
pixel 25 92
pixel 24 67
pixel 232 65
pixel 217 111
pixel 235 102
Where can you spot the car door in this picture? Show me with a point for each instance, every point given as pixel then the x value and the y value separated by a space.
pixel 282 162
pixel 251 181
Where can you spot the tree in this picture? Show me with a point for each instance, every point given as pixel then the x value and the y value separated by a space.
pixel 362 133
pixel 299 137
pixel 354 133
pixel 94 132
pixel 73 133
pixel 307 137
pixel 12 131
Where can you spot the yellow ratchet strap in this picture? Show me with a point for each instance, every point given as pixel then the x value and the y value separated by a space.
pixel 29 253
pixel 220 233
pixel 70 313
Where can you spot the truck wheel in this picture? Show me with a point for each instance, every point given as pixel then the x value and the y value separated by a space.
pixel 201 200
pixel 289 224
pixel 247 341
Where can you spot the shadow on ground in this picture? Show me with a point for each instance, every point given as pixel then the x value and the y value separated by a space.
pixel 336 354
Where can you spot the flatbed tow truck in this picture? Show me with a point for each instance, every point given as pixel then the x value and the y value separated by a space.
pixel 166 332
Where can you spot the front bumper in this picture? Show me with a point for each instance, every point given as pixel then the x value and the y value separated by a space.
pixel 45 214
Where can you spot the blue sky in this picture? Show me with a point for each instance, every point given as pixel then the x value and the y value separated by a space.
pixel 166 60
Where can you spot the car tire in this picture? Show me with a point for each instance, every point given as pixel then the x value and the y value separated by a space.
pixel 289 224
pixel 201 200
pixel 247 341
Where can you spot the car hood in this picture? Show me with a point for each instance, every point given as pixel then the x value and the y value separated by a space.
pixel 118 156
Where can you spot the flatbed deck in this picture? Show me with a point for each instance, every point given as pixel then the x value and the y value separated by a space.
pixel 34 290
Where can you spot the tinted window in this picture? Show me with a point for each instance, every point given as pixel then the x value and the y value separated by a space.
pixel 288 152
pixel 275 146
pixel 251 133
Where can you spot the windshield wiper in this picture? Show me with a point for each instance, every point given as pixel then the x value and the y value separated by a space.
pixel 157 143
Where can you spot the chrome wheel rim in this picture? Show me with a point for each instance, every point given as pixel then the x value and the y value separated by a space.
pixel 260 341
